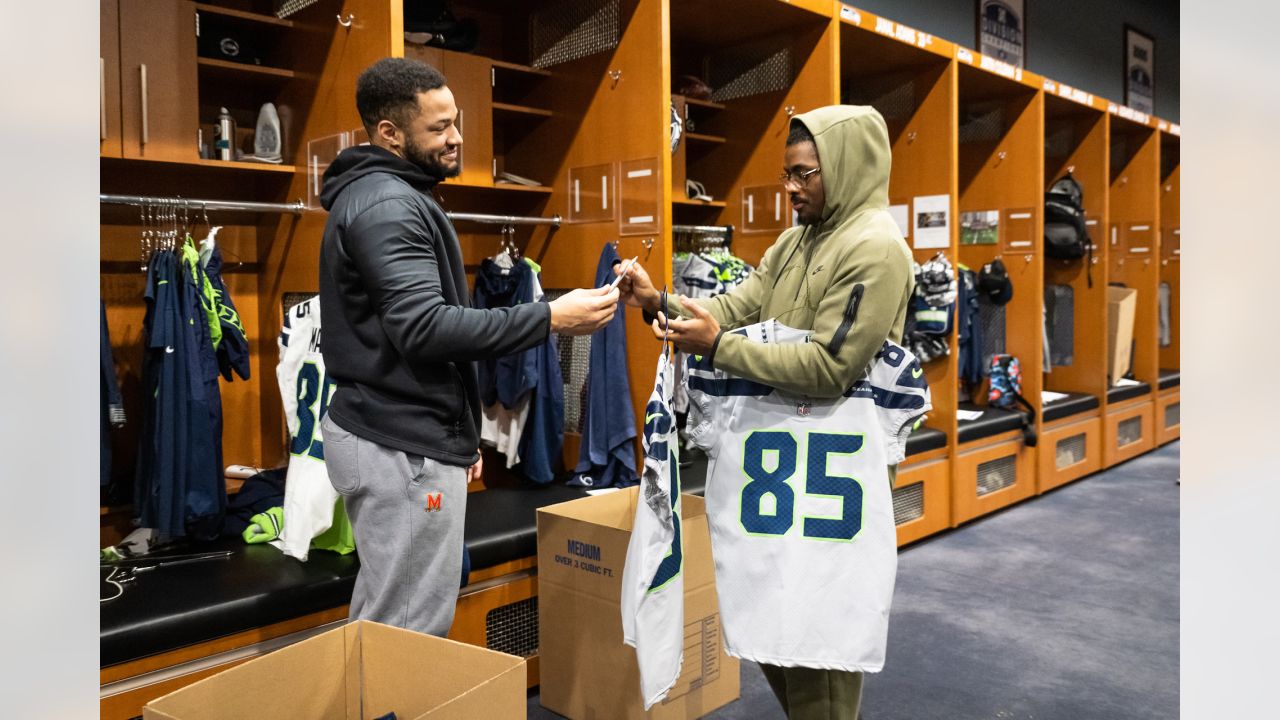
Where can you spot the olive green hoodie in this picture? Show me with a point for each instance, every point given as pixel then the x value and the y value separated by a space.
pixel 848 278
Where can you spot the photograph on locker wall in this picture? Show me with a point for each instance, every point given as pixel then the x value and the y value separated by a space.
pixel 694 375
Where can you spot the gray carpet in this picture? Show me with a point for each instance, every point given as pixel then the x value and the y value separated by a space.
pixel 1064 607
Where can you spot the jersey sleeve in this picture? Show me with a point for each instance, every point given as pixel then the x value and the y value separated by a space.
pixel 901 395
pixel 291 356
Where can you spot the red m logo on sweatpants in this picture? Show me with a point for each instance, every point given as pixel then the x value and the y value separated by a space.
pixel 433 502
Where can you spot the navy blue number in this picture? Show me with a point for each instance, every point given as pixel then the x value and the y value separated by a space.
pixel 674 561
pixel 313 402
pixel 768 482
pixel 818 482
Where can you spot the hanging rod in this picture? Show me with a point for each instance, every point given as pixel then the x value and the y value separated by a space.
pixel 196 204
pixel 725 230
pixel 298 207
pixel 553 221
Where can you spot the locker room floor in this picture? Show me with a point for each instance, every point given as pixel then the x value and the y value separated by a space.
pixel 1060 608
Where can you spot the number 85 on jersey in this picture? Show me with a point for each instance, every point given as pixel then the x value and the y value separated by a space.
pixel 771 460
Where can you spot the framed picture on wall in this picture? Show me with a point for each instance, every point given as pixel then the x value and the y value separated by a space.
pixel 1139 70
pixel 1002 30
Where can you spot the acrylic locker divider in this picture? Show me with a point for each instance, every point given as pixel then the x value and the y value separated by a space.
pixel 1076 143
pixel 1168 398
pixel 910 78
pixel 1001 168
pixel 1133 261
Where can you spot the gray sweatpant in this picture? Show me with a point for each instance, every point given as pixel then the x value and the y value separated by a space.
pixel 407 512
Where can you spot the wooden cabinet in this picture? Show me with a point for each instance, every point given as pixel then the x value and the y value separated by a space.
pixel 157 99
pixel 1168 417
pixel 991 477
pixel 109 79
pixel 922 499
pixel 1069 451
pixel 1129 432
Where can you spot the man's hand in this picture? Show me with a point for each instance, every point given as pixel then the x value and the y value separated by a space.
pixel 695 335
pixel 473 472
pixel 637 289
pixel 583 311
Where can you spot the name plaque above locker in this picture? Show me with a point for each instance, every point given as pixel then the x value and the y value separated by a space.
pixel 765 208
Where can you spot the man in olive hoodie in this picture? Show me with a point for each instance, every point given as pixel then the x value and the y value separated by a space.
pixel 843 272
pixel 402 431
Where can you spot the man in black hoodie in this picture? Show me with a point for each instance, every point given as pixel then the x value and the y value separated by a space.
pixel 401 435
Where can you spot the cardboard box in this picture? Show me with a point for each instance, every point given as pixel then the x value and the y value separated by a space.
pixel 360 671
pixel 1122 304
pixel 585 669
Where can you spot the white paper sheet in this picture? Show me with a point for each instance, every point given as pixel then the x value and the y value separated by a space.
pixel 968 414
pixel 902 215
pixel 932 221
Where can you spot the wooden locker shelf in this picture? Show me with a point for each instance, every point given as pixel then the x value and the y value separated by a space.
pixel 226 69
pixel 248 17
pixel 680 202
pixel 704 138
pixel 203 165
pixel 519 112
pixel 504 66
pixel 695 102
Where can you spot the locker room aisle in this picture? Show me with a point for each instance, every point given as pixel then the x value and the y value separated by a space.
pixel 1059 608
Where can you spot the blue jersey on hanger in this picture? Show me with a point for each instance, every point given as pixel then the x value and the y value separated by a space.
pixel 606 457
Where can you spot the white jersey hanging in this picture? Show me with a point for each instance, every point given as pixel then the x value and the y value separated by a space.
pixel 653 576
pixel 800 508
pixel 305 388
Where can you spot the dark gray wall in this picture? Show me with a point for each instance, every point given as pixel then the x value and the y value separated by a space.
pixel 1078 42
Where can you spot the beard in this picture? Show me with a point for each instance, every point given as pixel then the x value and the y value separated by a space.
pixel 430 163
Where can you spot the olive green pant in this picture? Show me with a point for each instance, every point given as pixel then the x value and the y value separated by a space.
pixel 809 694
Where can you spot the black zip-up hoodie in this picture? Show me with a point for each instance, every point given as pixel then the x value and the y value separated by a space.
pixel 400 335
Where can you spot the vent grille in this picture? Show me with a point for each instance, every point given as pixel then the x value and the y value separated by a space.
pixel 1061 320
pixel 1172 414
pixel 1070 451
pixel 751 69
pixel 980 126
pixel 894 98
pixel 992 318
pixel 908 503
pixel 573 29
pixel 997 474
pixel 513 629
pixel 1129 431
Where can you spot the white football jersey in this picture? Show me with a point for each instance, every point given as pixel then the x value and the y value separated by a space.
pixel 801 511
pixel 305 388
pixel 653 577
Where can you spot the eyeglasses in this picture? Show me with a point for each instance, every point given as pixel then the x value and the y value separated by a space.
pixel 801 178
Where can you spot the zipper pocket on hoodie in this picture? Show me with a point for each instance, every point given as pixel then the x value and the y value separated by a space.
pixel 846 322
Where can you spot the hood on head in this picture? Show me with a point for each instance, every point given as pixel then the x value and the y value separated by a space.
pixel 356 162
pixel 853 151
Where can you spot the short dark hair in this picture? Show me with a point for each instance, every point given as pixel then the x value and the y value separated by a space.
pixel 388 90
pixel 799 133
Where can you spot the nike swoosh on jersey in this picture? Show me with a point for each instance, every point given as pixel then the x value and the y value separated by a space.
pixel 916 372
pixel 647 418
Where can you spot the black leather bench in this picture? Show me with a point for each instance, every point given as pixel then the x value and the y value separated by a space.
pixel 1169 379
pixel 502 522
pixel 993 422
pixel 1072 404
pixel 171 607
pixel 924 439
pixel 1127 392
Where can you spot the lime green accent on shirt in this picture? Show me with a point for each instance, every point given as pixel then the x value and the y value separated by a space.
pixel 191 257
pixel 536 267
pixel 340 537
